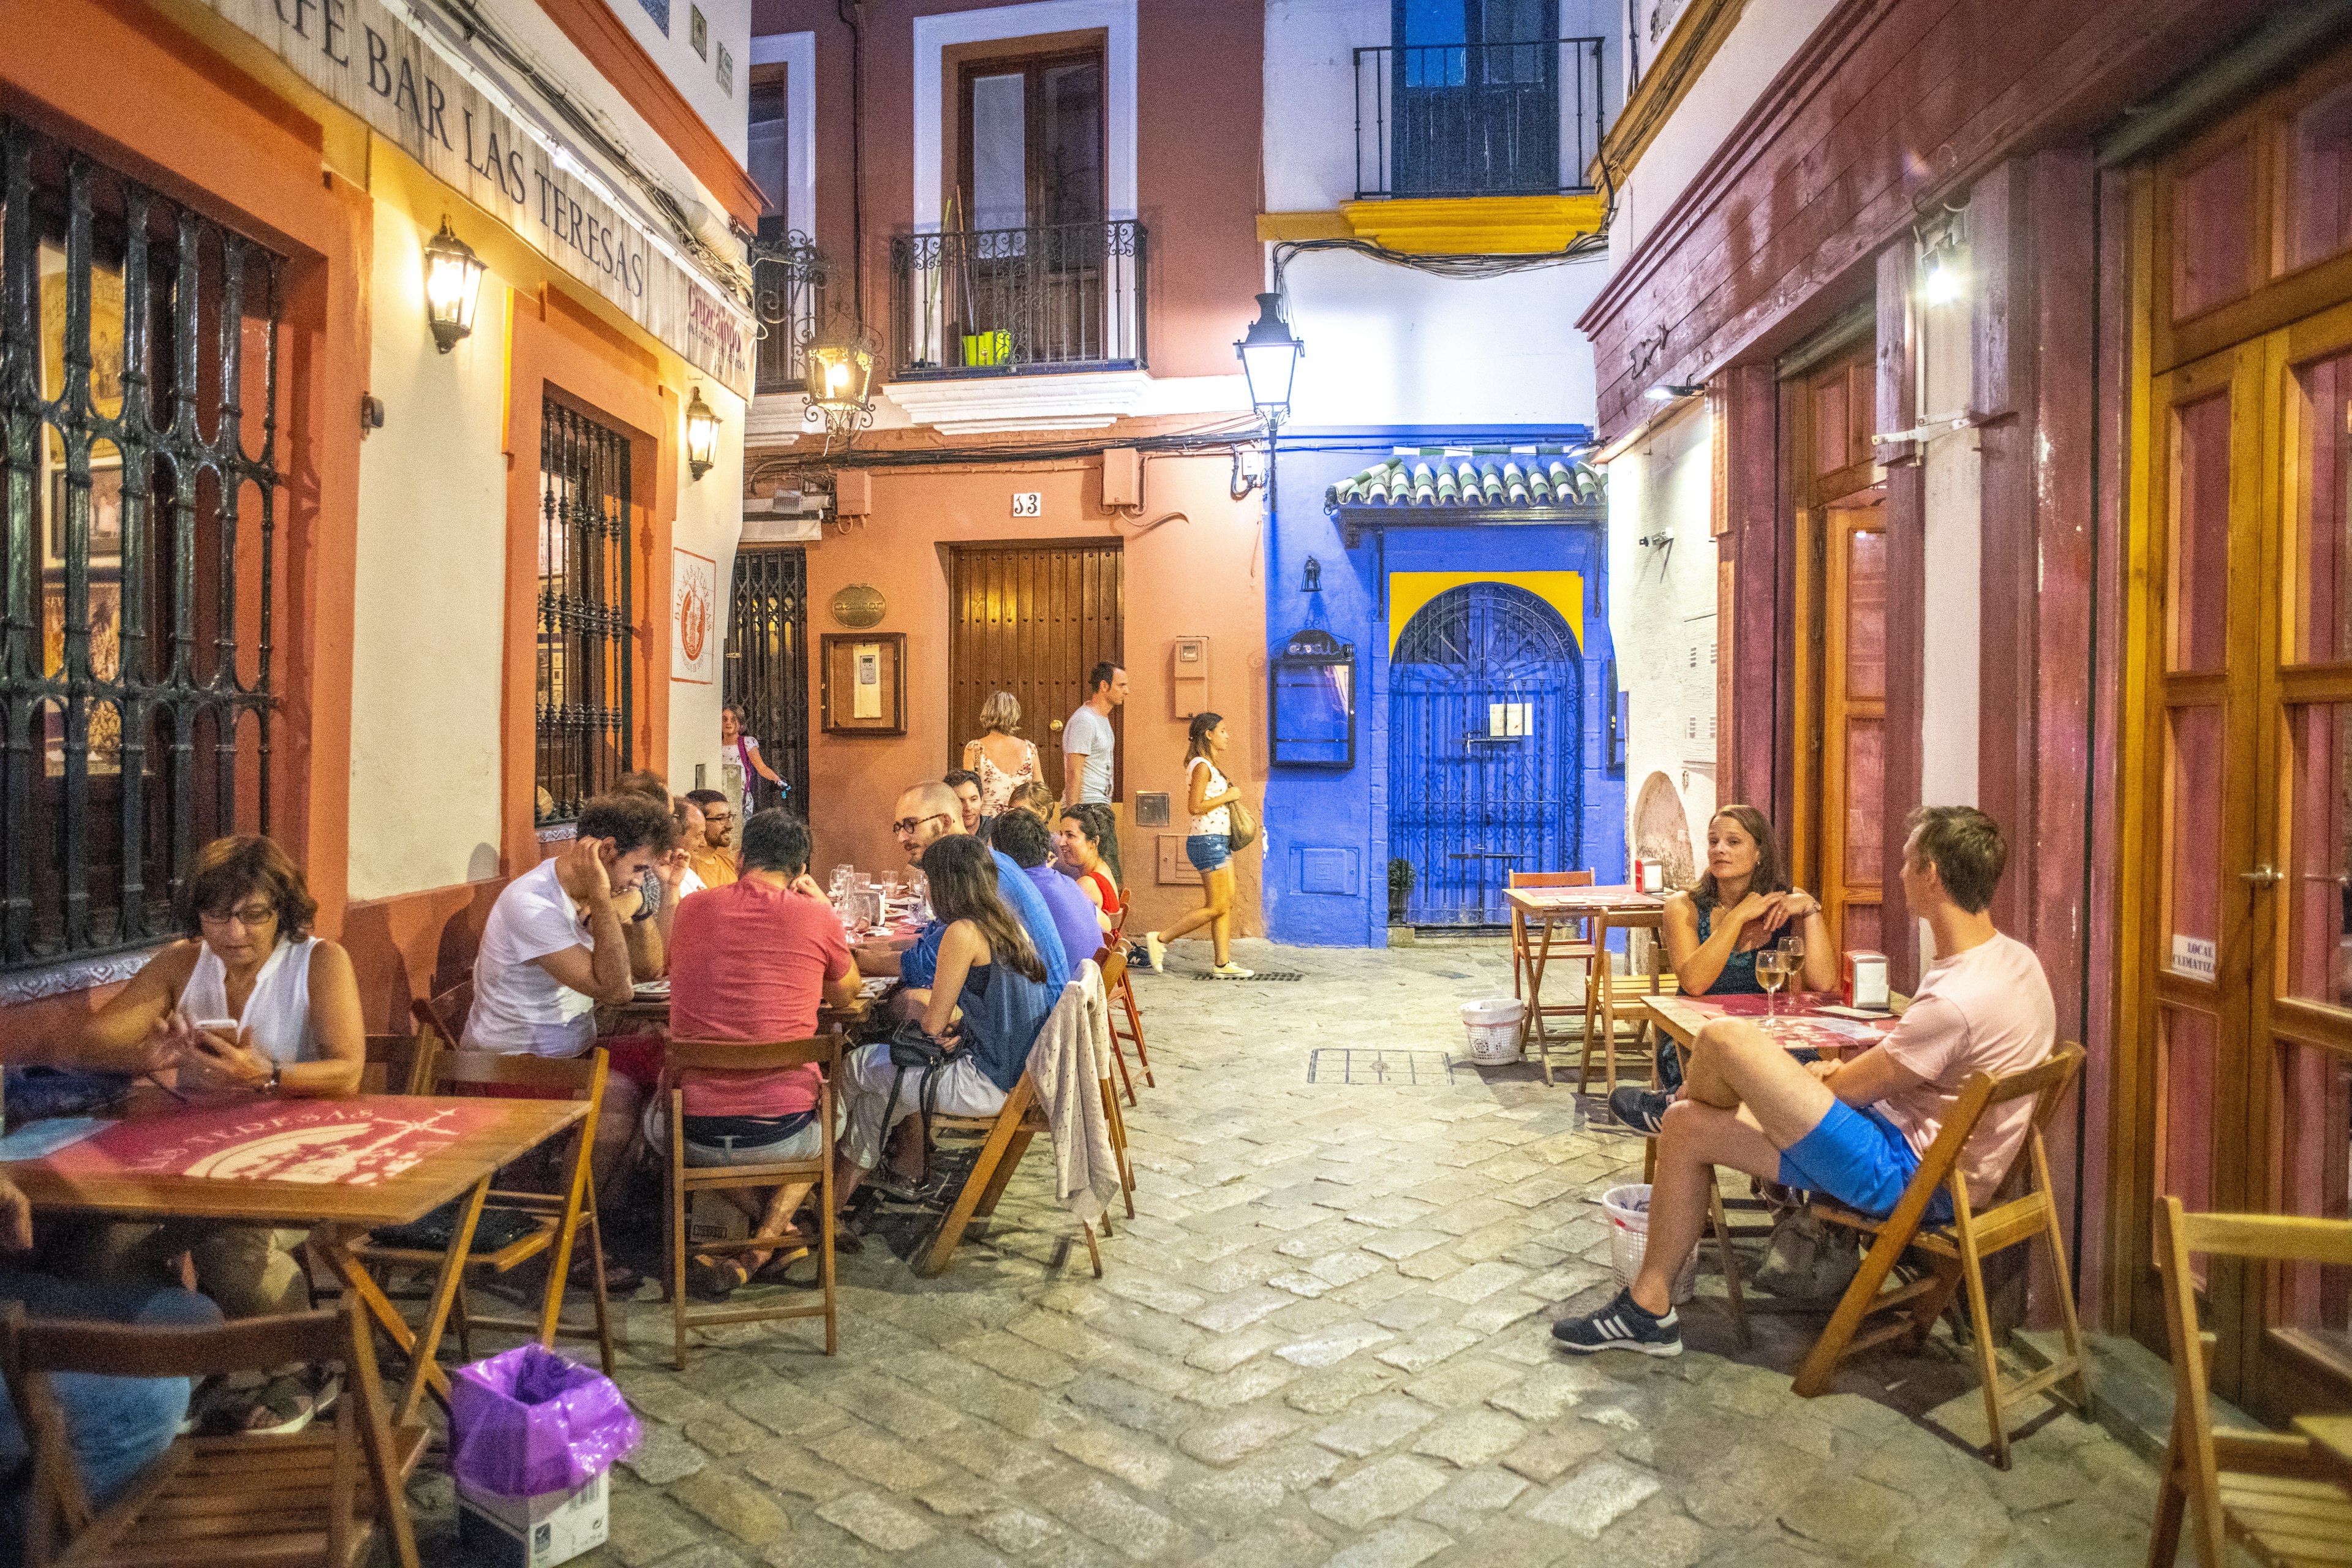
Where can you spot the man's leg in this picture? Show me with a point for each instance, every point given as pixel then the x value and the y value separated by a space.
pixel 1744 1102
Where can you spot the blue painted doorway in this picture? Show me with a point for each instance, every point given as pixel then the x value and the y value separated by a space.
pixel 1486 750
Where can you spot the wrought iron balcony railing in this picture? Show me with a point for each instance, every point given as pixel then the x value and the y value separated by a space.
pixel 1000 302
pixel 1477 119
pixel 788 297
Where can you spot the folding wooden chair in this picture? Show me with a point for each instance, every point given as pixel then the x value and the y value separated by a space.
pixel 1112 962
pixel 1120 993
pixel 319 1497
pixel 1530 955
pixel 2268 1490
pixel 558 1216
pixel 1006 1138
pixel 2024 1212
pixel 1606 1006
pixel 447 1012
pixel 718 1058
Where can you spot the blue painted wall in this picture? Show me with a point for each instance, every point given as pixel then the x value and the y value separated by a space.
pixel 1326 866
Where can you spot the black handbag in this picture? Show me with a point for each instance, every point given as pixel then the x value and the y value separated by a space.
pixel 913 1049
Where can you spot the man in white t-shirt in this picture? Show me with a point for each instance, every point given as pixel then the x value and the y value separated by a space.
pixel 1087 739
pixel 1854 1129
pixel 554 948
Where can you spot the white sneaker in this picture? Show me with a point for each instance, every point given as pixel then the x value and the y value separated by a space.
pixel 1158 950
pixel 1229 970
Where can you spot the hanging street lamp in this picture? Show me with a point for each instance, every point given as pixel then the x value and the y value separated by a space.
pixel 1269 357
pixel 839 361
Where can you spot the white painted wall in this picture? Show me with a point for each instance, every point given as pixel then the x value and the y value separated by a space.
pixel 1661 612
pixel 719 99
pixel 709 520
pixel 428 621
pixel 1953 548
pixel 1768 33
pixel 1387 345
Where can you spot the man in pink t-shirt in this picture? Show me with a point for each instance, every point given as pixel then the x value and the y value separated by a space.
pixel 1855 1130
pixel 753 960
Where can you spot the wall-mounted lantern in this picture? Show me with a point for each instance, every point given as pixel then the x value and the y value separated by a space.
pixel 701 436
pixel 453 285
pixel 840 363
pixel 1312 691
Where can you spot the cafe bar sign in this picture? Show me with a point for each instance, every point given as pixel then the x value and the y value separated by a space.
pixel 368 57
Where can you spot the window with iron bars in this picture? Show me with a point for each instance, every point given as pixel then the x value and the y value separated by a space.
pixel 585 630
pixel 140 494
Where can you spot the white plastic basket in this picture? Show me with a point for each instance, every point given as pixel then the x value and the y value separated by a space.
pixel 1494 1026
pixel 1628 1208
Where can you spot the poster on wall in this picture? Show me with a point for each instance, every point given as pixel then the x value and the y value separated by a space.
pixel 693 619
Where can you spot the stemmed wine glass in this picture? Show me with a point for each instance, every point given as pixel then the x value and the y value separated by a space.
pixel 1771 969
pixel 1793 952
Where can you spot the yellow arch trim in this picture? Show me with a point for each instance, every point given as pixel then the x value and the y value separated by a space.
pixel 1411 592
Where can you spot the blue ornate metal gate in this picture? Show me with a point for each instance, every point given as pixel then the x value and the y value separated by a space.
pixel 1486 750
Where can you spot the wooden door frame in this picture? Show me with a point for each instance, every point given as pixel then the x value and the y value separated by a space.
pixel 1837 708
pixel 1032 65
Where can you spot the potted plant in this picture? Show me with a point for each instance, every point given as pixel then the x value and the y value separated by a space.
pixel 1400 888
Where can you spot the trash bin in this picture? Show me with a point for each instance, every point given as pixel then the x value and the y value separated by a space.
pixel 1628 1208
pixel 1494 1026
pixel 530 1436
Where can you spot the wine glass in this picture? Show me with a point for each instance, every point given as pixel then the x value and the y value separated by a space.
pixel 1770 970
pixel 1792 956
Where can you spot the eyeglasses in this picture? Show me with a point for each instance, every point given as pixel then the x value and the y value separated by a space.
pixel 908 827
pixel 717 818
pixel 249 917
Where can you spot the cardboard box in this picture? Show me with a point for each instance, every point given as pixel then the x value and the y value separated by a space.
pixel 1865 980
pixel 532 1532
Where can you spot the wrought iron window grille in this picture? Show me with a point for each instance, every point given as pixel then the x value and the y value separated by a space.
pixel 1000 302
pixel 586 612
pixel 767 666
pixel 788 284
pixel 140 491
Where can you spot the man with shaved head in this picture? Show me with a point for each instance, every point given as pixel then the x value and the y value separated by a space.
pixel 925 814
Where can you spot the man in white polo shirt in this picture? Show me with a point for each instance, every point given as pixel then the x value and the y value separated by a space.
pixel 1855 1130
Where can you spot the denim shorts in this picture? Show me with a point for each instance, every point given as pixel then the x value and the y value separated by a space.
pixel 1861 1159
pixel 1207 851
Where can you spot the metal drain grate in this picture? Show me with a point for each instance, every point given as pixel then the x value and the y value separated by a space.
pixel 1262 974
pixel 1351 1065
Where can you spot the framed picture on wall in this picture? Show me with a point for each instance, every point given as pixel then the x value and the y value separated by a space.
pixel 863 683
pixel 105 518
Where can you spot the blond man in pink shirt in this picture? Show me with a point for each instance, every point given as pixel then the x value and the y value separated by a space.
pixel 1854 1129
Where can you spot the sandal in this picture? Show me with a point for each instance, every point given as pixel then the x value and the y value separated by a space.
pixel 900 1189
pixel 714 1280
pixel 277 1408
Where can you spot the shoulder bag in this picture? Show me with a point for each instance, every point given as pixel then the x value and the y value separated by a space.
pixel 1241 827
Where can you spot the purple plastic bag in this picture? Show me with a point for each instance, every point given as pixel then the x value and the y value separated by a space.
pixel 528 1421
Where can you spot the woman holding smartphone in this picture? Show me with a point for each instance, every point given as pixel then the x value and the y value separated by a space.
pixel 247 1000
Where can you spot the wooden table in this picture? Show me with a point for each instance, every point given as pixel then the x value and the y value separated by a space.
pixel 2331 1440
pixel 258 1132
pixel 1621 906
pixel 1682 1017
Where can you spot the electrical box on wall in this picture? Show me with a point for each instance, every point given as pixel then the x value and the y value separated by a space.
pixel 1175 866
pixel 1188 676
pixel 1122 477
pixel 852 492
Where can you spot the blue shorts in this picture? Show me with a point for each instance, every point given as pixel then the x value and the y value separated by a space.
pixel 1207 851
pixel 1861 1159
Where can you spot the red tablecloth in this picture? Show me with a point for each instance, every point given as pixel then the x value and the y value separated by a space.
pixel 1799 1024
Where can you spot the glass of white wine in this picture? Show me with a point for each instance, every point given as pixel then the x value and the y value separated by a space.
pixel 1792 955
pixel 1770 970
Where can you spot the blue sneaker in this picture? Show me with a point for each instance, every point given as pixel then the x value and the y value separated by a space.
pixel 1621 1325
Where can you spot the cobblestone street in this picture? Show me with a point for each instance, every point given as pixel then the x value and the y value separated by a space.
pixel 1322 1340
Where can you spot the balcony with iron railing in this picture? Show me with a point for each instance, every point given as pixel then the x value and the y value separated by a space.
pixel 1478 119
pixel 788 278
pixel 1014 301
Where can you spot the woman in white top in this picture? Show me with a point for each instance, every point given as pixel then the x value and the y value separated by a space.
pixel 246 1000
pixel 747 751
pixel 1001 759
pixel 1208 791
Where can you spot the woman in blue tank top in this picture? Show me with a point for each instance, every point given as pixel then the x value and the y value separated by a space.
pixel 1740 905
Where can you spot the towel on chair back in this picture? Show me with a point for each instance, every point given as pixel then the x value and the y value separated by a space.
pixel 1068 1065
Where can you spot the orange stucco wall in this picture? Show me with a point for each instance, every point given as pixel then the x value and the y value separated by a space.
pixel 1199 575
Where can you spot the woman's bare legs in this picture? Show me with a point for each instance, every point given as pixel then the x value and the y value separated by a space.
pixel 1216 914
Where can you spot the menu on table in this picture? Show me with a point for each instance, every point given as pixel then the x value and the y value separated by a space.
pixel 360 1142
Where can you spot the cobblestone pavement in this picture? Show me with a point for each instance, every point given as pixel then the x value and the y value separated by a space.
pixel 1322 1340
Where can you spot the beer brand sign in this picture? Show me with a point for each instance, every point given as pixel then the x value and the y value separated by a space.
pixel 367 57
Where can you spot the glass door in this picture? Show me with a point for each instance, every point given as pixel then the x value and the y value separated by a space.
pixel 1854 721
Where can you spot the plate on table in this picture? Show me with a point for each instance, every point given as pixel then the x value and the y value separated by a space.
pixel 652 990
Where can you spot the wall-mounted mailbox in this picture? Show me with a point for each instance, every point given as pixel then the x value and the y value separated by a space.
pixel 1312 696
pixel 1188 676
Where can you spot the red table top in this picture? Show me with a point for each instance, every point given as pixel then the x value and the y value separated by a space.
pixel 1799 1024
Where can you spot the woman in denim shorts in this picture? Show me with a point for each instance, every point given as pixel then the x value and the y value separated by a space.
pixel 1210 848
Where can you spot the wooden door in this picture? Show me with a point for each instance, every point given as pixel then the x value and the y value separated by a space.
pixel 1854 721
pixel 1034 619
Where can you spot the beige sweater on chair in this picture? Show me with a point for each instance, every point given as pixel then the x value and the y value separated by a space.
pixel 1068 1064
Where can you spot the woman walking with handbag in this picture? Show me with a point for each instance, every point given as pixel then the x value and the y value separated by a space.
pixel 1221 825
